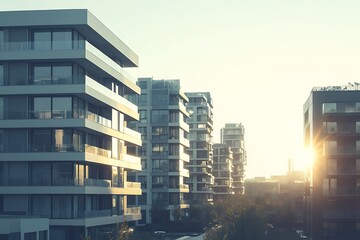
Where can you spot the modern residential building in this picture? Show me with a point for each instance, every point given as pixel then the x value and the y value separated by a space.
pixel 163 153
pixel 332 132
pixel 200 122
pixel 222 171
pixel 233 136
pixel 65 148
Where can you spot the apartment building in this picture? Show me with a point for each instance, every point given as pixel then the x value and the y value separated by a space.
pixel 65 148
pixel 201 180
pixel 233 136
pixel 223 169
pixel 332 132
pixel 163 153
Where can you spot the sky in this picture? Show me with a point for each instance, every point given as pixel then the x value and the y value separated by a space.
pixel 258 58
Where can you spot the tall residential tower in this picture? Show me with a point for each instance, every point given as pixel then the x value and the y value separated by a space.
pixel 233 136
pixel 200 122
pixel 332 131
pixel 65 148
pixel 164 133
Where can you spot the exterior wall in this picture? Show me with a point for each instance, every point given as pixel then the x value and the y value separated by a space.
pixel 164 133
pixel 201 180
pixel 65 148
pixel 222 170
pixel 233 136
pixel 331 119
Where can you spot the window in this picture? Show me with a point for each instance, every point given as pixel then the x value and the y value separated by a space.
pixel 330 127
pixel 159 116
pixel 329 186
pixel 142 116
pixel 53 74
pixel 1 107
pixel 30 236
pixel 56 107
pixel 142 199
pixel 61 206
pixel 160 132
pixel 1 71
pixel 42 40
pixel 159 149
pixel 41 174
pixel 62 39
pixel 329 107
pixel 52 39
pixel 61 107
pixel 160 165
pixel 62 174
pixel 142 180
pixel 331 166
pixel 143 132
pixel 330 147
pixel 143 164
pixel 159 181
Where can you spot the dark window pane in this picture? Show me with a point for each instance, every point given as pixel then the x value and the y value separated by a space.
pixel 62 40
pixel 42 107
pixel 61 107
pixel 42 40
pixel 42 75
pixel 62 74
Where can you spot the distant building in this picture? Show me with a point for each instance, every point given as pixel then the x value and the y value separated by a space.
pixel 200 122
pixel 282 192
pixel 332 131
pixel 233 136
pixel 164 134
pixel 65 148
pixel 260 186
pixel 222 171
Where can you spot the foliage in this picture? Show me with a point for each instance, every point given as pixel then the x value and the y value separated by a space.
pixel 237 218
pixel 204 214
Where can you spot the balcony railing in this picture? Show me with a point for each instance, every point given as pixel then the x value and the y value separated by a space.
pixel 40 46
pixel 136 185
pixel 97 213
pixel 98 119
pixel 132 210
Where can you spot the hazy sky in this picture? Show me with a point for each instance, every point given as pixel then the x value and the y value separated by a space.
pixel 258 58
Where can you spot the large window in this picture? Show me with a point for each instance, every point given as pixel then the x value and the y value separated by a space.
pixel 159 116
pixel 159 149
pixel 54 74
pixel 56 107
pixel 52 39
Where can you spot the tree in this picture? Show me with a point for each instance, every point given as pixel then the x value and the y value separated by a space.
pixel 237 218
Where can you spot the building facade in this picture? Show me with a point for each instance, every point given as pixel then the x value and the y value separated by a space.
pixel 332 132
pixel 163 153
pixel 201 180
pixel 223 169
pixel 233 136
pixel 65 148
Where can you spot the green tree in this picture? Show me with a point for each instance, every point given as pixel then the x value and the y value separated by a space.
pixel 237 218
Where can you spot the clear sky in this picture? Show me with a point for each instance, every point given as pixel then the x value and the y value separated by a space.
pixel 258 58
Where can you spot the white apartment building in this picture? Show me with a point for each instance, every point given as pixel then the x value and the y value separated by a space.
pixel 65 148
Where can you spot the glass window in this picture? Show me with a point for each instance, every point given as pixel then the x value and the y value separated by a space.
pixel 142 116
pixel 63 174
pixel 43 235
pixel 41 174
pixel 41 205
pixel 42 40
pixel 159 116
pixel 42 75
pixel 62 107
pixel 1 107
pixel 329 107
pixel 63 140
pixel 30 236
pixel 62 74
pixel 61 206
pixel 330 147
pixel 1 39
pixel 331 166
pixel 41 140
pixel 1 74
pixel 62 39
pixel 42 107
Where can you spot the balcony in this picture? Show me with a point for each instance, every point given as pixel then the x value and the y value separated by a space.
pixel 133 210
pixel 136 185
pixel 97 213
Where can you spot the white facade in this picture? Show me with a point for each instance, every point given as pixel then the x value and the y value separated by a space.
pixel 65 148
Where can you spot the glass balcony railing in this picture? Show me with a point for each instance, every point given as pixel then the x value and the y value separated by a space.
pixel 97 213
pixel 136 185
pixel 132 210
pixel 91 48
pixel 101 88
pixel 98 119
pixel 41 46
